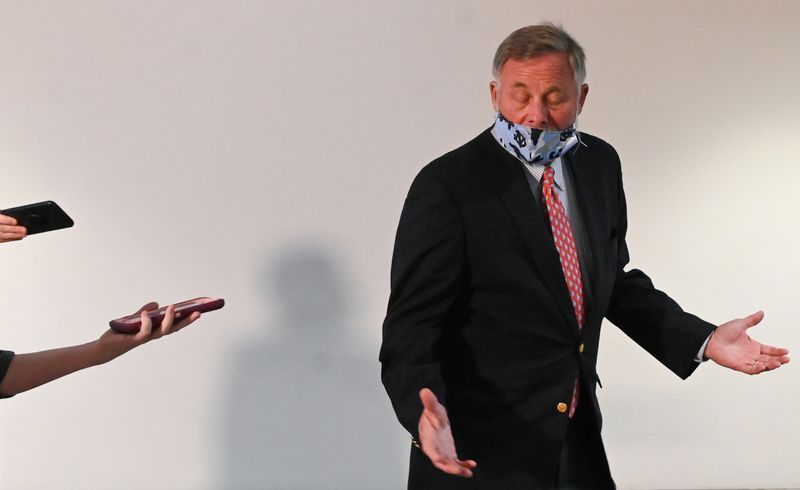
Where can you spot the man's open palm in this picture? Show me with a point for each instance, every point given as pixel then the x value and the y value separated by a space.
pixel 732 347
pixel 436 438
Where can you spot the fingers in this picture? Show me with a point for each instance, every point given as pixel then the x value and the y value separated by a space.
pixel 753 320
pixel 764 363
pixel 147 325
pixel 759 367
pixel 457 467
pixel 172 321
pixel 186 321
pixel 772 362
pixel 146 329
pixel 12 232
pixel 433 410
pixel 769 357
pixel 428 399
pixel 773 351
pixel 770 365
pixel 166 323
pixel 439 447
pixel 9 231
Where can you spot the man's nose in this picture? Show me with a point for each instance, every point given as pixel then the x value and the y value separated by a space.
pixel 538 116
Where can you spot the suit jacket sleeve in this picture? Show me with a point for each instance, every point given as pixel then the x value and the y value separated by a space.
pixel 650 317
pixel 428 266
pixel 5 360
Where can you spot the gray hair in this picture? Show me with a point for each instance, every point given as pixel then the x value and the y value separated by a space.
pixel 532 41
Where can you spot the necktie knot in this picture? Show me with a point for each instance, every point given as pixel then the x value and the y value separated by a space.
pixel 548 176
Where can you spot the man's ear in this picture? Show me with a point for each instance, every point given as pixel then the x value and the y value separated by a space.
pixel 493 88
pixel 582 96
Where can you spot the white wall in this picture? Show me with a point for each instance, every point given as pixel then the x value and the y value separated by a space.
pixel 261 151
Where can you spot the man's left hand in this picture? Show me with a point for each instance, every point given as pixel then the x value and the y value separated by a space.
pixel 730 346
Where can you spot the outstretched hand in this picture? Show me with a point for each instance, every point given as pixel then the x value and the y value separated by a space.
pixel 436 438
pixel 730 346
pixel 27 371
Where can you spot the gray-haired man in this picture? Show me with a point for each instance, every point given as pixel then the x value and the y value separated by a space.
pixel 509 253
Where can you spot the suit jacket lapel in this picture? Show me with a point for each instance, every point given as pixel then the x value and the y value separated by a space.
pixel 588 195
pixel 512 187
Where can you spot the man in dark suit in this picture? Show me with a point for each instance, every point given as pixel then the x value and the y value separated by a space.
pixel 509 253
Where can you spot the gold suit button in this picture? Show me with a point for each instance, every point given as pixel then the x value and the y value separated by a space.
pixel 580 348
pixel 561 407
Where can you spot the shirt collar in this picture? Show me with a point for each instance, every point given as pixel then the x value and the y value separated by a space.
pixel 537 169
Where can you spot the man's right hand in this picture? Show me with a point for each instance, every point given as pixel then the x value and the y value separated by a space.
pixel 9 231
pixel 436 438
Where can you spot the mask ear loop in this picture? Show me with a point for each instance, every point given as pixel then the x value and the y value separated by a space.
pixel 580 141
pixel 578 135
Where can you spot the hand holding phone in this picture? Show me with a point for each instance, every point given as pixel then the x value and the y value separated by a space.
pixel 40 217
pixel 132 323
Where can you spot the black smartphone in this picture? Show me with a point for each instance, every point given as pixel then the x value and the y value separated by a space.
pixel 40 217
pixel 132 323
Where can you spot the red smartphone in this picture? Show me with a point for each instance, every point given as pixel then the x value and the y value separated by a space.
pixel 132 323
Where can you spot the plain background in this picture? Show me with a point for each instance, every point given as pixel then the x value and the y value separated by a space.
pixel 261 152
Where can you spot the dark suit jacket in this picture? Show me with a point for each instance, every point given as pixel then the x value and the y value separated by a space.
pixel 480 313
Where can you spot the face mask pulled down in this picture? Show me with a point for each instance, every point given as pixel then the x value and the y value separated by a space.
pixel 531 145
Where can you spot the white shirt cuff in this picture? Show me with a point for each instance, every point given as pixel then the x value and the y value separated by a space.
pixel 699 357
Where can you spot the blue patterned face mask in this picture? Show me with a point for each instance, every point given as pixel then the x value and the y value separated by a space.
pixel 531 145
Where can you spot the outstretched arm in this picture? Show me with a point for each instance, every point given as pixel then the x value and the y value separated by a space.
pixel 732 347
pixel 27 371
pixel 428 267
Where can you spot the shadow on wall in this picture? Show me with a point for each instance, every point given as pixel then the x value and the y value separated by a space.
pixel 304 407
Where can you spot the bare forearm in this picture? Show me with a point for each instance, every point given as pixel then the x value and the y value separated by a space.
pixel 28 371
